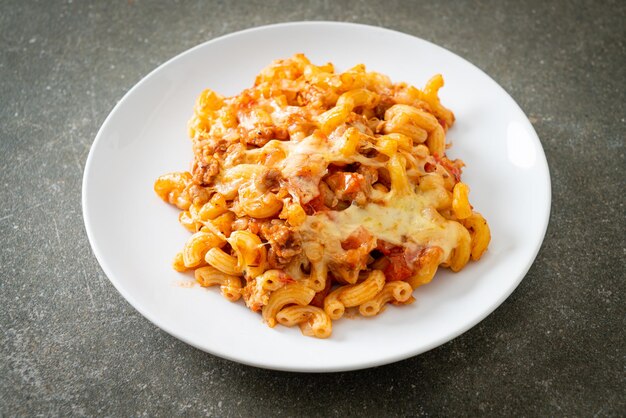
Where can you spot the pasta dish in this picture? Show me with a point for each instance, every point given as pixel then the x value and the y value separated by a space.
pixel 315 192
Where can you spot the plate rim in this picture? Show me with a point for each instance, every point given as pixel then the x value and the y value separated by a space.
pixel 357 365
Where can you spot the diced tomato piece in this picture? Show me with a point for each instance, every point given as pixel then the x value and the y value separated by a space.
pixel 345 183
pixel 398 269
pixel 357 238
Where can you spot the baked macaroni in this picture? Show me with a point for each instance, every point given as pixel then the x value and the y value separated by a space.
pixel 315 192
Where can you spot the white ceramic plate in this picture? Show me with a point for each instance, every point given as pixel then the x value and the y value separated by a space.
pixel 135 235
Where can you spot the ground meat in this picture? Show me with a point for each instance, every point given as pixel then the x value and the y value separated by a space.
pixel 260 136
pixel 235 154
pixel 205 147
pixel 284 241
pixel 255 296
pixel 204 171
pixel 312 94
pixel 273 261
pixel 198 194
pixel 246 224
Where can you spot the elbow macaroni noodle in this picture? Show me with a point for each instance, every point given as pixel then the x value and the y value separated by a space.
pixel 316 192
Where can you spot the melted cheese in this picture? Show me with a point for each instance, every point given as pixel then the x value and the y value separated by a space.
pixel 409 221
pixel 303 164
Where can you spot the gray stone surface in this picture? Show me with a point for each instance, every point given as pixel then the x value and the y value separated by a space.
pixel 71 345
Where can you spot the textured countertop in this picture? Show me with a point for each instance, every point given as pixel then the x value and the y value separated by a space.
pixel 70 344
